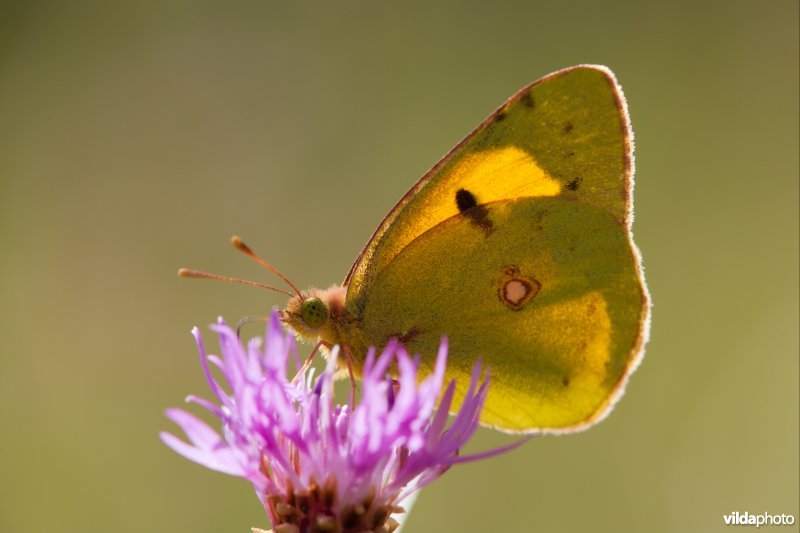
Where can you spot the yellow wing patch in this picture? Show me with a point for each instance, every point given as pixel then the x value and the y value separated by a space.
pixel 491 175
pixel 497 175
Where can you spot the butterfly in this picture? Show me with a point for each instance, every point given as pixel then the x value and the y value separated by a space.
pixel 517 247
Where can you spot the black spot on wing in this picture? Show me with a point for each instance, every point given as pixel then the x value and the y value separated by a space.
pixel 574 184
pixel 527 100
pixel 568 127
pixel 405 338
pixel 468 206
pixel 465 200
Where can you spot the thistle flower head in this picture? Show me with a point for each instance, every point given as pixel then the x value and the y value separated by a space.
pixel 316 465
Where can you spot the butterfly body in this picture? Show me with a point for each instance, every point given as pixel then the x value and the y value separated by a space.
pixel 517 247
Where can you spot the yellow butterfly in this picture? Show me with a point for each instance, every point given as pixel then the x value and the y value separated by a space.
pixel 516 246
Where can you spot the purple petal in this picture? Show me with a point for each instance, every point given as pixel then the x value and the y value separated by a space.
pixel 215 388
pixel 195 429
pixel 489 453
pixel 222 460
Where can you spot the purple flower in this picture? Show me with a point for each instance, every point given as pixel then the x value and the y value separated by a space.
pixel 316 465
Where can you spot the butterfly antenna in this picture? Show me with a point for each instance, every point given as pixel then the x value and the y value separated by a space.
pixel 189 273
pixel 239 244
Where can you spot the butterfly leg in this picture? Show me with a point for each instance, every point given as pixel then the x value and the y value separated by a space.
pixel 307 364
pixel 349 360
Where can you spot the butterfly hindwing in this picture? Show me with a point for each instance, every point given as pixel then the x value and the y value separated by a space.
pixel 544 298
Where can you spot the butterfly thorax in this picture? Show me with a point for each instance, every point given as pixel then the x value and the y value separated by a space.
pixel 320 315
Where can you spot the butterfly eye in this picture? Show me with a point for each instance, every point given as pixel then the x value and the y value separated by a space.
pixel 313 312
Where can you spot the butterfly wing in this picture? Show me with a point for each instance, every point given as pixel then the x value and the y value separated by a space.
pixel 548 298
pixel 565 133
pixel 517 246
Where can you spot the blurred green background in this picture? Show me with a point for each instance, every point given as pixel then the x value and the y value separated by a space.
pixel 136 137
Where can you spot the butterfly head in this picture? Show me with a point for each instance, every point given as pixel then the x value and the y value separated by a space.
pixel 313 314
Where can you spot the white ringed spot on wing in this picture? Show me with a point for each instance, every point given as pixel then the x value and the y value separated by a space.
pixel 516 290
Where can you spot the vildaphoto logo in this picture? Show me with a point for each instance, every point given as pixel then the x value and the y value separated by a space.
pixel 765 519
